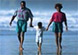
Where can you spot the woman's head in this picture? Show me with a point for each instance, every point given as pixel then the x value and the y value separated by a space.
pixel 39 24
pixel 58 6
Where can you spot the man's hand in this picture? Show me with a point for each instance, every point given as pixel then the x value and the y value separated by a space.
pixel 10 23
pixel 31 25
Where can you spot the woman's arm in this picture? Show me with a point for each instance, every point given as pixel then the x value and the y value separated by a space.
pixel 65 22
pixel 48 25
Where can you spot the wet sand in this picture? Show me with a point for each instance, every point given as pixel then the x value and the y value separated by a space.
pixel 9 45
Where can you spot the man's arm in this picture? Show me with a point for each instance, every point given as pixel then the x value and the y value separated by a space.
pixel 31 19
pixel 12 20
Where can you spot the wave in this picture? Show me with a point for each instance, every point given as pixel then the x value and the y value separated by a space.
pixel 44 17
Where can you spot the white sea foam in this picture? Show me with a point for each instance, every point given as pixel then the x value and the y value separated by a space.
pixel 43 17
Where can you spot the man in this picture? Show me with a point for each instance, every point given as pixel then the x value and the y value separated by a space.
pixel 23 15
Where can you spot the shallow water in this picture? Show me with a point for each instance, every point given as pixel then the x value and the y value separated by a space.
pixel 9 44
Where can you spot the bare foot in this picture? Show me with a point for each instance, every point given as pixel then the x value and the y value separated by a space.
pixel 20 48
pixel 60 48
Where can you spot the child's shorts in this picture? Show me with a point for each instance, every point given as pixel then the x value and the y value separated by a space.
pixel 39 39
pixel 21 26
pixel 57 27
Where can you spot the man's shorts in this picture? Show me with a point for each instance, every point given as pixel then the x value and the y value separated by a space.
pixel 57 27
pixel 21 26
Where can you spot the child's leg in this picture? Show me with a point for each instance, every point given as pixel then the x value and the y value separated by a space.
pixel 56 35
pixel 60 40
pixel 39 46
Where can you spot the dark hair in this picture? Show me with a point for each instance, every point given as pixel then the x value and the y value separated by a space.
pixel 23 2
pixel 40 24
pixel 58 5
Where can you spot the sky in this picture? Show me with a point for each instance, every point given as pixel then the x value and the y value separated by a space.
pixel 40 4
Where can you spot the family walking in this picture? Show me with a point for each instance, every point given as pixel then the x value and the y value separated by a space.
pixel 23 14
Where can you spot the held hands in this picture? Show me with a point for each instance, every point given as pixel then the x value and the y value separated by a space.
pixel 47 28
pixel 31 25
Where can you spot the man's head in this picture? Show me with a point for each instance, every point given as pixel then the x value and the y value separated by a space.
pixel 40 24
pixel 58 6
pixel 22 4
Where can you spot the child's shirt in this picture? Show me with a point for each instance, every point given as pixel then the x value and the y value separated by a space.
pixel 39 32
pixel 58 17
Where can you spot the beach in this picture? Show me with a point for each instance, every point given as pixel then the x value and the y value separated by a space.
pixel 9 44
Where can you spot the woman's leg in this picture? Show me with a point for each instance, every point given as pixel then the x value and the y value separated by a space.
pixel 60 39
pixel 56 35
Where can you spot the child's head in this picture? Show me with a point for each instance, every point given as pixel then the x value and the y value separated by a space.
pixel 58 6
pixel 39 24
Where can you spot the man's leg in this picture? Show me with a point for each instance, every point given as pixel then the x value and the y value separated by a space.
pixel 60 39
pixel 56 35
pixel 22 40
pixel 19 37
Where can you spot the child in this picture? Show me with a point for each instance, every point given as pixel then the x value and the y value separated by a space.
pixel 58 18
pixel 39 34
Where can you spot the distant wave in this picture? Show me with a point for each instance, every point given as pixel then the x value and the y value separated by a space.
pixel 5 17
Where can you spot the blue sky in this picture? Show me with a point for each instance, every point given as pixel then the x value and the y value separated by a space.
pixel 40 4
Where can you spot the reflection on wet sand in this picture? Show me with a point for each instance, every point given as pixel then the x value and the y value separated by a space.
pixel 39 53
pixel 59 52
pixel 21 52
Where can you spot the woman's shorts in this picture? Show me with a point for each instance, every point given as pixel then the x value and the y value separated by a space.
pixel 57 27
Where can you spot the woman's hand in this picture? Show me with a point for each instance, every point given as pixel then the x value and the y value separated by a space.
pixel 66 28
pixel 47 28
